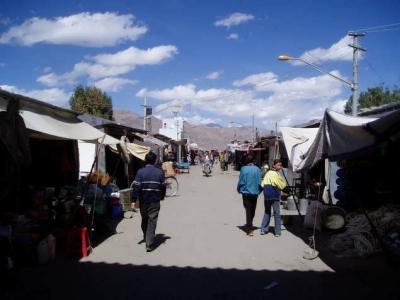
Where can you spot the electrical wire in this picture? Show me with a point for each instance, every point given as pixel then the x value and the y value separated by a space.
pixel 374 70
pixel 369 29
pixel 384 30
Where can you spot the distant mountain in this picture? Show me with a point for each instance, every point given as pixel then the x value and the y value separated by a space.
pixel 208 136
pixel 212 125
pixel 134 120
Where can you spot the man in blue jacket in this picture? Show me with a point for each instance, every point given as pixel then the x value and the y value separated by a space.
pixel 149 189
pixel 249 187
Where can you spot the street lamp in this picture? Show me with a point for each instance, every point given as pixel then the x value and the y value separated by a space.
pixel 349 84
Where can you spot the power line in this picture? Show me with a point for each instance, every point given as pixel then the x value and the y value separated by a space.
pixel 374 70
pixel 384 30
pixel 379 27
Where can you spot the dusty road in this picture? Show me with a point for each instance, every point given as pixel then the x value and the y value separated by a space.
pixel 201 230
pixel 204 255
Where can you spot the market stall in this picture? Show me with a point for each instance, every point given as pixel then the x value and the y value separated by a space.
pixel 360 174
pixel 42 199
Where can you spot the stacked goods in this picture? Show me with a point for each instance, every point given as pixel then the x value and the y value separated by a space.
pixel 359 239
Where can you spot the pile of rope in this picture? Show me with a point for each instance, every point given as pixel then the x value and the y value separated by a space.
pixel 359 239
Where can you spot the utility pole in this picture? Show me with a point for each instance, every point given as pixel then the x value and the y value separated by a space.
pixel 147 113
pixel 252 129
pixel 179 154
pixel 144 114
pixel 355 87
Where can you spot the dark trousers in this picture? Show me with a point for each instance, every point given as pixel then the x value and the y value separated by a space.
pixel 149 213
pixel 250 204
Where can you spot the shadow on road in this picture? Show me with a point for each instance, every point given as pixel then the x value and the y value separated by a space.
pixel 160 239
pixel 115 281
pixel 244 228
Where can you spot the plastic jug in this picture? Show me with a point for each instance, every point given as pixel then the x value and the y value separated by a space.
pixel 290 204
pixel 51 242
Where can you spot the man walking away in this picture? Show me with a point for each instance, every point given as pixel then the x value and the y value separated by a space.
pixel 226 160
pixel 221 160
pixel 273 184
pixel 149 189
pixel 249 187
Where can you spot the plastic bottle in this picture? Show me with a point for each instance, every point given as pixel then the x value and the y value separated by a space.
pixel 51 242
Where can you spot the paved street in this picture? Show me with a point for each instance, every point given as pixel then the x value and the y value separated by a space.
pixel 204 255
pixel 201 230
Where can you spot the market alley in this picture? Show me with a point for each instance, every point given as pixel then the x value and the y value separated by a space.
pixel 203 255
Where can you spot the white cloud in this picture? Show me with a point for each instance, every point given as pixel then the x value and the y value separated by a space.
pixel 46 69
pixel 338 105
pixel 111 65
pixel 196 119
pixel 296 88
pixel 53 96
pixel 287 102
pixel 233 36
pixel 214 75
pixel 83 29
pixel 113 84
pixel 234 19
pixel 135 56
pixel 339 51
pixel 180 92
pixel 257 80
pixel 50 79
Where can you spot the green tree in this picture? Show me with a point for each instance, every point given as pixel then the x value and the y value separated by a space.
pixel 374 97
pixel 93 101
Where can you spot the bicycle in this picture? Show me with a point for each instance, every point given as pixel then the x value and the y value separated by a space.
pixel 171 185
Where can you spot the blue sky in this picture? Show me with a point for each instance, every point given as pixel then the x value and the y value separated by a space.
pixel 215 60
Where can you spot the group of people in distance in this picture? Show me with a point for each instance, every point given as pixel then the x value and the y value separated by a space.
pixel 251 184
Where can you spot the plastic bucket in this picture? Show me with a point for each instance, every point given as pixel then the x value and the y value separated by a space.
pixel 334 218
pixel 290 204
pixel 303 205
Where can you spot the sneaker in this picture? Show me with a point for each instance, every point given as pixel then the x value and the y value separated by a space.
pixel 262 232
pixel 149 248
pixel 277 235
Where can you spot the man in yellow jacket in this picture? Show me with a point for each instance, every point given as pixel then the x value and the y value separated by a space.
pixel 272 185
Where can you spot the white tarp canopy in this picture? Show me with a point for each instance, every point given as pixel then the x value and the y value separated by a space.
pixel 64 130
pixel 339 136
pixel 51 122
pixel 151 139
pixel 136 150
pixel 297 142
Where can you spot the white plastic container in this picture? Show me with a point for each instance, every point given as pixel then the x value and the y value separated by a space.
pixel 46 250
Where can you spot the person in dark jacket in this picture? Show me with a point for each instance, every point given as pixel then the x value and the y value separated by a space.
pixel 149 189
pixel 249 187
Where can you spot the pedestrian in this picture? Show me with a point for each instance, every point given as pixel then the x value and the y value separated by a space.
pixel 249 187
pixel 149 190
pixel 226 160
pixel 192 157
pixel 221 160
pixel 272 185
pixel 168 168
